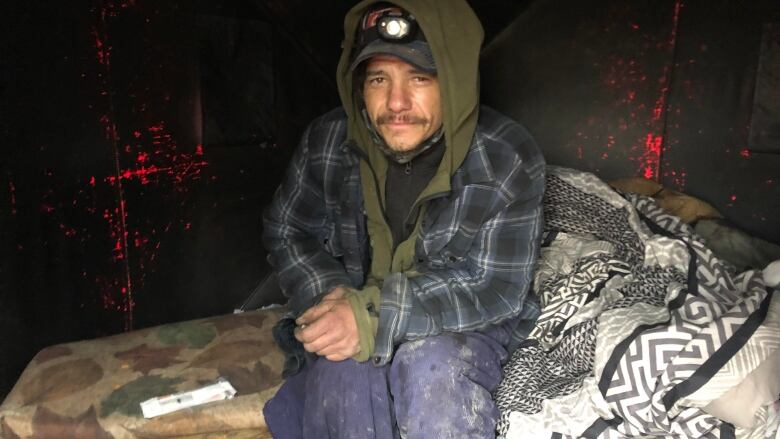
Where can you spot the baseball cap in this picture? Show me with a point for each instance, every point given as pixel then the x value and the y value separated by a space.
pixel 387 29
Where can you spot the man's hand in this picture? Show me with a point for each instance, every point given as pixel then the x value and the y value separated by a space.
pixel 329 328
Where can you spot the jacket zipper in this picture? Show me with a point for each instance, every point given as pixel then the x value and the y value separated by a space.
pixel 362 155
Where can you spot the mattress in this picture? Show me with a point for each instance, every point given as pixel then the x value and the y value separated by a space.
pixel 92 389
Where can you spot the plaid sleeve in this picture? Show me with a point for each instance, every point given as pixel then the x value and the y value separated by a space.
pixel 491 286
pixel 293 226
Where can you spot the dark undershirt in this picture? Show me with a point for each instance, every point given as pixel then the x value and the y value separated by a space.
pixel 402 187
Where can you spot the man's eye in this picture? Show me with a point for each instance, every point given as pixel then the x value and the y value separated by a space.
pixel 376 81
pixel 421 79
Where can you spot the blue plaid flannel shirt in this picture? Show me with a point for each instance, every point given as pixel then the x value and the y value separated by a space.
pixel 475 252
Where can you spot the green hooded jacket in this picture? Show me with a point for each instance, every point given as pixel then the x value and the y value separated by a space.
pixel 454 35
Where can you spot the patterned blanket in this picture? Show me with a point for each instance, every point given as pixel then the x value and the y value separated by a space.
pixel 641 328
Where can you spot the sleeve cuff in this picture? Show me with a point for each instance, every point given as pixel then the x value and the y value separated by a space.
pixel 365 307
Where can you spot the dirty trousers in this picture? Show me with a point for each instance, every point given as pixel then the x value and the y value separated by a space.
pixel 437 387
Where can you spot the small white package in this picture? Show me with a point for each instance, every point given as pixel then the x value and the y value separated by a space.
pixel 161 405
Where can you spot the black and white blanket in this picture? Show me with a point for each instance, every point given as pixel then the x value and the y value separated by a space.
pixel 641 327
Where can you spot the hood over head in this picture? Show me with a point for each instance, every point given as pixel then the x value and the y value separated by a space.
pixel 454 35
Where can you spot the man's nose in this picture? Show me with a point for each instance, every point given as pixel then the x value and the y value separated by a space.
pixel 399 98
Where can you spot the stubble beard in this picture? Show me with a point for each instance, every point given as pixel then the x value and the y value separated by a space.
pixel 403 156
pixel 419 123
pixel 397 156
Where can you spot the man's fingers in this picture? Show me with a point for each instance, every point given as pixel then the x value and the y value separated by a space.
pixel 314 313
pixel 310 315
pixel 336 357
pixel 309 333
pixel 342 348
pixel 332 349
pixel 326 340
pixel 336 293
pixel 324 324
pixel 339 350
pixel 321 308
pixel 333 334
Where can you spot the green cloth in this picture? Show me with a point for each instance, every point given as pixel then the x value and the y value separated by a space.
pixel 362 302
pixel 455 35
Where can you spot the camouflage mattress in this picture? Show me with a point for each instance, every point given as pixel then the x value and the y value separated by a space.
pixel 92 389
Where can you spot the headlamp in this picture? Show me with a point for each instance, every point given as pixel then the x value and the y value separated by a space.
pixel 391 24
pixel 394 29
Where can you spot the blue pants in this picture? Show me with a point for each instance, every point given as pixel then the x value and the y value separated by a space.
pixel 437 387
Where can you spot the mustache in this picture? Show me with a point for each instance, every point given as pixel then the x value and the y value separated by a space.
pixel 402 118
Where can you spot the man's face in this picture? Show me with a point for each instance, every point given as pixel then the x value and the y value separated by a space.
pixel 403 103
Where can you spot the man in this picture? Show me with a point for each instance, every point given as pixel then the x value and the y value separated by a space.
pixel 404 235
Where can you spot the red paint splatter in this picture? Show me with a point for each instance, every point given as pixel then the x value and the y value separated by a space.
pixel 107 287
pixel 678 178
pixel 678 5
pixel 102 51
pixel 109 128
pixel 142 156
pixel 175 167
pixel 116 232
pixel 117 226
pixel 733 198
pixel 651 156
pixel 139 240
pixel 634 89
pixel 658 109
pixel 744 152
pixel 653 144
pixel 68 231
pixel 12 191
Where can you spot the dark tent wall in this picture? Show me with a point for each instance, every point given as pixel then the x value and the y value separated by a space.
pixel 140 142
pixel 141 139
pixel 682 92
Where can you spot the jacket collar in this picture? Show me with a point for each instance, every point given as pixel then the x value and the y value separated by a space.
pixel 476 167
